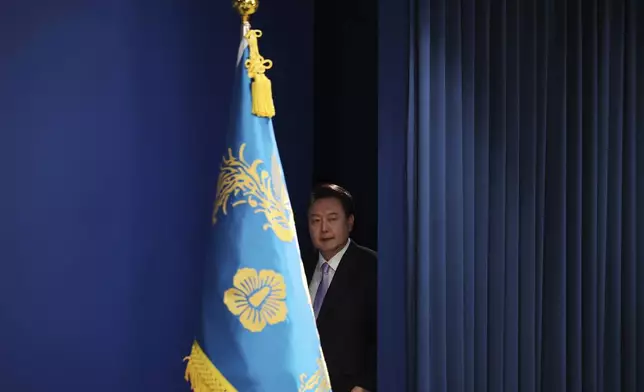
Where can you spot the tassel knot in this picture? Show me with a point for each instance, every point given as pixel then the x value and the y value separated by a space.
pixel 261 89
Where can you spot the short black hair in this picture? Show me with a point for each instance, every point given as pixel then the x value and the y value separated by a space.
pixel 326 191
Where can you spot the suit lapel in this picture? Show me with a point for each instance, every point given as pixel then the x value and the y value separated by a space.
pixel 310 263
pixel 340 283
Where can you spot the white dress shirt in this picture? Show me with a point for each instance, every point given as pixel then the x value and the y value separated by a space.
pixel 333 266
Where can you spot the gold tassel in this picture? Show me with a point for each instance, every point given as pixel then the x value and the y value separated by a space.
pixel 202 375
pixel 261 89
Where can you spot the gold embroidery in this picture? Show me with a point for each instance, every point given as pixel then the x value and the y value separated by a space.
pixel 257 299
pixel 317 382
pixel 246 183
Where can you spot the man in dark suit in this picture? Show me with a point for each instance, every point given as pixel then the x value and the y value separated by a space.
pixel 342 282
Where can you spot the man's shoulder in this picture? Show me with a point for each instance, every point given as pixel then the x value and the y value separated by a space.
pixel 366 252
pixel 366 256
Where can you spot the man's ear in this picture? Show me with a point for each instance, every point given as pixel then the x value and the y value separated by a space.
pixel 350 221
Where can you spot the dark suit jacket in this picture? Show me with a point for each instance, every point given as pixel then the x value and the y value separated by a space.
pixel 347 320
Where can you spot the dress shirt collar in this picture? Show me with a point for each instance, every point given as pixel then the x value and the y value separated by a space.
pixel 335 260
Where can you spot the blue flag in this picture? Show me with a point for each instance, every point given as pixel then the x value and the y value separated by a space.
pixel 257 330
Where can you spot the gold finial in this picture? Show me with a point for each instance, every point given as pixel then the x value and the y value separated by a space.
pixel 246 8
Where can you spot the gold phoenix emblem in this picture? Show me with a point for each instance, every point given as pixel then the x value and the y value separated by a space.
pixel 257 299
pixel 241 183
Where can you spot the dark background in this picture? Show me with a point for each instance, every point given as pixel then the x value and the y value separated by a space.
pixel 346 106
pixel 112 117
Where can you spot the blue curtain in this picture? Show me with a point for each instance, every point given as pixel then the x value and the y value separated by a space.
pixel 512 153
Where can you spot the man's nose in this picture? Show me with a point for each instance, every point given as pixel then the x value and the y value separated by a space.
pixel 324 227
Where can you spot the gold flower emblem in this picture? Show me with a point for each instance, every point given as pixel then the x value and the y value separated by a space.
pixel 257 299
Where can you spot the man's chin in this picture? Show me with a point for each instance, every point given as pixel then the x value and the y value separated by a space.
pixel 329 245
pixel 330 250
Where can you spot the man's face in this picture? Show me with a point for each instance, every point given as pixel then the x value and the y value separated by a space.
pixel 329 226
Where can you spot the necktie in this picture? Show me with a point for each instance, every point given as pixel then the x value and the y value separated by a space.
pixel 322 288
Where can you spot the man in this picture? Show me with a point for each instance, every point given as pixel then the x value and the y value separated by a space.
pixel 342 282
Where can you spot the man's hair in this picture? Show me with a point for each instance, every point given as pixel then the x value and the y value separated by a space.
pixel 328 191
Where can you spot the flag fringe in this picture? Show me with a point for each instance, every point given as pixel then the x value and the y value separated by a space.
pixel 202 375
pixel 261 89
